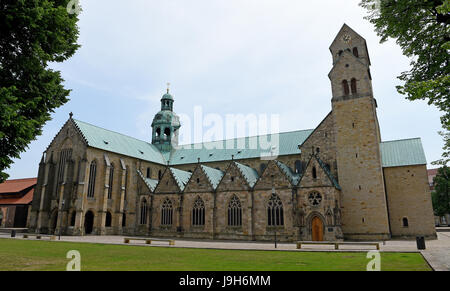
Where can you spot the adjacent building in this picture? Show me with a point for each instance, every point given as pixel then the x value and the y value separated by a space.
pixel 15 201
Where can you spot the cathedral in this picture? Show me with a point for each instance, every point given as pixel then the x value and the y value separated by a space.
pixel 338 181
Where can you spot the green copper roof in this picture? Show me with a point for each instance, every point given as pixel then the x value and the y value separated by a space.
pixel 292 177
pixel 250 174
pixel 111 141
pixel 214 175
pixel 151 184
pixel 182 177
pixel 406 152
pixel 225 149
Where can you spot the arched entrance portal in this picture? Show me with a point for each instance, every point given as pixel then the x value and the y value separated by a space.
pixel 317 229
pixel 89 222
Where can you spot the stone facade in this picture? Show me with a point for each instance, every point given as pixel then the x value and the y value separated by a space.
pixel 333 187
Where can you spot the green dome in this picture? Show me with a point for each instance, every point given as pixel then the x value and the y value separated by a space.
pixel 167 96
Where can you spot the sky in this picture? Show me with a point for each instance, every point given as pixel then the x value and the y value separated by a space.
pixel 229 57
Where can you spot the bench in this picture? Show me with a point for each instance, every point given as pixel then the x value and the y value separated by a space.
pixel 337 244
pixel 148 241
pixel 39 236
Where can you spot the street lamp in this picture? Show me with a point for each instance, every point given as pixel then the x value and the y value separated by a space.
pixel 60 219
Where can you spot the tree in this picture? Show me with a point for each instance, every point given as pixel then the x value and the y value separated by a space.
pixel 33 33
pixel 422 30
pixel 441 195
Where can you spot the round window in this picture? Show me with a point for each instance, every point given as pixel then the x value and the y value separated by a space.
pixel 315 198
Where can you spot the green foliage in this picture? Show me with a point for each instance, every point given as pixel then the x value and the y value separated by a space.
pixel 33 33
pixel 446 155
pixel 421 28
pixel 441 195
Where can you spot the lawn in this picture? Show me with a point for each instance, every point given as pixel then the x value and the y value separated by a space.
pixel 51 256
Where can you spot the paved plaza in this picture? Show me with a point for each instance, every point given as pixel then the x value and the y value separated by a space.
pixel 437 253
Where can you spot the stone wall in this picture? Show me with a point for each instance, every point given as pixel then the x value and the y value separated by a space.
pixel 409 198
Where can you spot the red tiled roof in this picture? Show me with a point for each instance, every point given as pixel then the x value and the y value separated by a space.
pixel 26 199
pixel 16 186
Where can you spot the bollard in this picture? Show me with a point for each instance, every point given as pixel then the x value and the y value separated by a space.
pixel 420 243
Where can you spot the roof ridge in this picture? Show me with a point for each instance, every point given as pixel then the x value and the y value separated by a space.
pixel 403 139
pixel 20 179
pixel 76 120
pixel 236 138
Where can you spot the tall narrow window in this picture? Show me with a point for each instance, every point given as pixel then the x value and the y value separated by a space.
pixel 345 87
pixel 108 220
pixel 353 85
pixel 275 212
pixel 111 181
pixel 198 212
pixel 148 173
pixel 92 175
pixel 314 173
pixel 298 167
pixel 143 219
pixel 355 52
pixel 126 183
pixel 262 167
pixel 159 175
pixel 64 156
pixel 234 212
pixel 167 212
pixel 73 218
pixel 124 219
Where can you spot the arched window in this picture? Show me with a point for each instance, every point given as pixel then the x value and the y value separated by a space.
pixel 298 167
pixel 167 132
pixel 108 220
pixel 275 213
pixel 167 212
pixel 159 175
pixel 405 222
pixel 262 167
pixel 314 173
pixel 143 219
pixel 72 218
pixel 355 52
pixel 126 183
pixel 158 132
pixel 92 175
pixel 345 87
pixel 124 220
pixel 111 181
pixel 149 173
pixel 234 212
pixel 353 85
pixel 198 212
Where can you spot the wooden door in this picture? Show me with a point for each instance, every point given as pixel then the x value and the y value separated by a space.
pixel 317 229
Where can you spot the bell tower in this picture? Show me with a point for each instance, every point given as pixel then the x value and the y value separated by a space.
pixel 360 171
pixel 165 125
